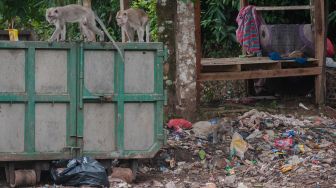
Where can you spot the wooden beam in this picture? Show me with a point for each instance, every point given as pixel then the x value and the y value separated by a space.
pixel 330 112
pixel 241 61
pixel 320 49
pixel 198 37
pixel 281 8
pixel 261 74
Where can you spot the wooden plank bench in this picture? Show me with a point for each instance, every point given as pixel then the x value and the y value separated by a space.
pixel 255 67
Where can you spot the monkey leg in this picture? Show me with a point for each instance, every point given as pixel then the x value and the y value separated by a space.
pixel 147 32
pixel 55 35
pixel 82 36
pixel 93 28
pixel 140 32
pixel 58 31
pixel 63 34
pixel 129 33
pixel 88 34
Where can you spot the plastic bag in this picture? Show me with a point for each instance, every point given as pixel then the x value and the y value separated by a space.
pixel 178 124
pixel 283 143
pixel 238 145
pixel 80 171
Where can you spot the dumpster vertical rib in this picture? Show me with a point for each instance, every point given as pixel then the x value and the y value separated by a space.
pixel 29 143
pixel 121 100
pixel 80 117
pixel 159 90
pixel 71 124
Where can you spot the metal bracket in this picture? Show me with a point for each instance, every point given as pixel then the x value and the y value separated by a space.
pixel 165 97
pixel 106 98
pixel 72 149
pixel 163 53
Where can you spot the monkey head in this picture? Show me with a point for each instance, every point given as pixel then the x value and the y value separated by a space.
pixel 52 14
pixel 122 17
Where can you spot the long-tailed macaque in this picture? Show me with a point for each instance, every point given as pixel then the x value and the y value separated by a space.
pixel 131 20
pixel 59 16
pixel 86 18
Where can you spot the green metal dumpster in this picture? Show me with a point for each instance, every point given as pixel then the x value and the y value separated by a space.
pixel 63 100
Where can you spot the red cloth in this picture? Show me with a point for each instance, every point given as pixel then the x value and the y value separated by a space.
pixel 330 49
pixel 179 123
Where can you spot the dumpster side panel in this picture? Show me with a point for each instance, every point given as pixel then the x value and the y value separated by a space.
pixel 51 71
pixel 12 127
pixel 139 126
pixel 37 100
pixel 12 70
pixel 50 127
pixel 139 72
pixel 99 125
pixel 99 71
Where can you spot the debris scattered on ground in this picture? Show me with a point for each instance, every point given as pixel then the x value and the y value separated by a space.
pixel 178 124
pixel 124 174
pixel 83 171
pixel 253 149
pixel 303 106
pixel 262 150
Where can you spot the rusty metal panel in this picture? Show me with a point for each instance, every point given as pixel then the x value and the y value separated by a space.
pixel 12 71
pixel 50 127
pixel 12 127
pixel 139 71
pixel 99 127
pixel 99 71
pixel 139 126
pixel 51 71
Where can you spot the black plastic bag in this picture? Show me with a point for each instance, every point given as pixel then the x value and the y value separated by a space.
pixel 80 171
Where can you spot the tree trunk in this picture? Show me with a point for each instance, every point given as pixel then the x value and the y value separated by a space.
pixel 186 60
pixel 166 19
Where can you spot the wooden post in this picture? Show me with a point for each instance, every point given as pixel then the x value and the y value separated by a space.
pixel 320 49
pixel 243 3
pixel 198 48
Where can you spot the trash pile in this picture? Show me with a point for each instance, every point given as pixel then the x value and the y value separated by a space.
pixel 256 149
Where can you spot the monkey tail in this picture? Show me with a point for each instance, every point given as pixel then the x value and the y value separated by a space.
pixel 108 35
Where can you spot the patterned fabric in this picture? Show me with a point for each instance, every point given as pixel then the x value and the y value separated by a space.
pixel 248 29
pixel 330 48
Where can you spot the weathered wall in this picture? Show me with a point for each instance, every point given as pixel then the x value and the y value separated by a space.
pixel 186 60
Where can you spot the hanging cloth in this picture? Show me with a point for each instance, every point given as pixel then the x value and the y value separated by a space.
pixel 248 29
